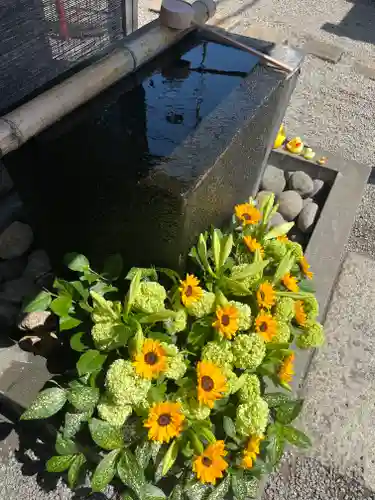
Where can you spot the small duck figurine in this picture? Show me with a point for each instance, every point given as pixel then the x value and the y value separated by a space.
pixel 308 153
pixel 280 138
pixel 295 145
pixel 322 161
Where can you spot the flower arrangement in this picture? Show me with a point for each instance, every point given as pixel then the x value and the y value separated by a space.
pixel 182 388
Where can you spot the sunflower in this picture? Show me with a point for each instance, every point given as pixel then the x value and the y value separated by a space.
pixel 190 290
pixel 290 282
pixel 305 266
pixel 151 361
pixel 251 451
pixel 247 214
pixel 212 384
pixel 283 239
pixel 227 321
pixel 210 464
pixel 164 421
pixel 266 326
pixel 266 297
pixel 253 245
pixel 286 371
pixel 299 312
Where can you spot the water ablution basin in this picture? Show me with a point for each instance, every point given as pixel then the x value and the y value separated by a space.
pixel 149 163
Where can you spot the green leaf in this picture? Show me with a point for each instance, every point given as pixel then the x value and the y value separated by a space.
pixel 40 303
pixel 68 323
pixel 64 287
pixel 75 470
pixel 83 398
pixel 162 337
pixel 155 448
pixel 90 362
pixel 59 463
pixel 130 473
pixel 284 267
pixel 296 437
pixel 61 305
pixel 113 266
pixel 76 262
pixel 216 247
pixel 199 333
pixel 159 316
pixel 176 493
pixel 143 453
pixel 106 435
pixel 226 248
pixel 170 457
pixel 73 422
pixel 221 490
pixel 105 471
pixel 172 275
pixel 249 270
pixel 275 449
pixel 307 286
pixel 279 230
pixel 239 486
pixel 133 290
pixel 157 393
pixel 202 252
pixel 235 287
pixel 287 412
pixel 229 427
pixel 153 492
pixel 275 399
pixel 195 490
pixel 80 289
pixel 46 404
pixel 146 272
pixel 65 446
pixel 76 342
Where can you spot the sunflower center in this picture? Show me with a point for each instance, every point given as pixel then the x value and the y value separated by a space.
pixel 189 291
pixel 263 326
pixel 151 358
pixel 206 461
pixel 262 295
pixel 225 320
pixel 164 419
pixel 207 383
pixel 246 216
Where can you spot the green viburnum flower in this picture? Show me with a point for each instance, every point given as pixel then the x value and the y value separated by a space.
pixel 275 249
pixel 150 297
pixel 191 408
pixel 232 380
pixel 250 282
pixel 312 336
pixel 250 389
pixel 311 307
pixel 203 306
pixel 284 309
pixel 252 417
pixel 176 363
pixel 296 248
pixel 108 335
pixel 106 315
pixel 125 387
pixel 219 353
pixel 244 314
pixel 176 324
pixel 114 414
pixel 282 334
pixel 248 351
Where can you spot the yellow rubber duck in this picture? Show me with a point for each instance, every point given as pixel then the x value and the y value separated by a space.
pixel 308 153
pixel 295 145
pixel 280 138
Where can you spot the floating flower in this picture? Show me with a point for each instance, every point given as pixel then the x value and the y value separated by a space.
pixel 124 385
pixel 275 249
pixel 219 353
pixel 176 366
pixel 266 326
pixel 190 290
pixel 286 371
pixel 244 314
pixel 164 422
pixel 177 323
pixel 284 309
pixel 247 214
pixel 190 406
pixel 290 282
pixel 251 451
pixel 305 266
pixel 150 297
pixel 248 351
pixel 311 306
pixel 114 414
pixel 212 384
pixel 253 245
pixel 227 321
pixel 210 465
pixel 313 336
pixel 296 249
pixel 250 388
pixel 282 333
pixel 252 417
pixel 299 312
pixel 202 306
pixel 151 361
pixel 266 297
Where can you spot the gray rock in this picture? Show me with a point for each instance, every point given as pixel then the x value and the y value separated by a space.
pixel 261 195
pixel 15 240
pixel 6 183
pixel 307 217
pixel 306 201
pixel 8 313
pixel 302 183
pixel 36 321
pixel 276 220
pixel 11 208
pixel 290 205
pixel 37 265
pixel 318 184
pixel 16 290
pixel 12 268
pixel 273 180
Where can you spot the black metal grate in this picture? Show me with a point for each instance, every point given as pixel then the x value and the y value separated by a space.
pixel 41 39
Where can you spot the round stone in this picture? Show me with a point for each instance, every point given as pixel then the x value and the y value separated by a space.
pixel 307 217
pixel 15 240
pixel 16 290
pixel 273 180
pixel 38 264
pixel 302 183
pixel 261 195
pixel 37 321
pixel 318 185
pixel 306 201
pixel 290 205
pixel 276 220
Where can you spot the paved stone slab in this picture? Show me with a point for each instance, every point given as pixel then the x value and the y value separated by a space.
pixel 265 33
pixel 365 69
pixel 323 50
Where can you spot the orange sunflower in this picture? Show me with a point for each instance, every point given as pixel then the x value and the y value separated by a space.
pixel 212 384
pixel 247 214
pixel 253 245
pixel 164 422
pixel 210 465
pixel 305 266
pixel 152 360
pixel 227 321
pixel 190 290
pixel 251 451
pixel 286 371
pixel 290 282
pixel 266 326
pixel 299 312
pixel 266 297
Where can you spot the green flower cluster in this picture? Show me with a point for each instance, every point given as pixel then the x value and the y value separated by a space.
pixel 283 333
pixel 176 324
pixel 252 417
pixel 250 388
pixel 284 309
pixel 150 297
pixel 114 414
pixel 244 314
pixel 275 249
pixel 296 249
pixel 191 408
pixel 203 306
pixel 248 351
pixel 176 363
pixel 123 384
pixel 219 353
pixel 312 336
pixel 251 282
pixel 311 307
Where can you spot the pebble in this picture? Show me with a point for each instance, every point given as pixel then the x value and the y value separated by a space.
pixel 6 183
pixel 12 268
pixel 276 220
pixel 306 201
pixel 318 184
pixel 307 217
pixel 16 290
pixel 37 265
pixel 273 180
pixel 302 183
pixel 36 320
pixel 11 208
pixel 290 205
pixel 261 195
pixel 15 240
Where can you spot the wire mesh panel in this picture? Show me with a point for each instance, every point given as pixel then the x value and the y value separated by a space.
pixel 41 39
